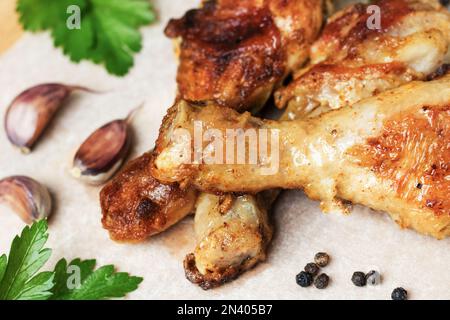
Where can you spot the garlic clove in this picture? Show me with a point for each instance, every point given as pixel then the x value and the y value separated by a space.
pixel 32 110
pixel 102 153
pixel 27 197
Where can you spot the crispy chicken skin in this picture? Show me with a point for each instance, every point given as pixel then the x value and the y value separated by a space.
pixel 234 53
pixel 136 206
pixel 389 152
pixel 261 41
pixel 351 61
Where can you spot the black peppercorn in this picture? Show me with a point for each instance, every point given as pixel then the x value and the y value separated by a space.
pixel 359 279
pixel 304 279
pixel 322 259
pixel 321 282
pixel 312 268
pixel 399 294
pixel 444 2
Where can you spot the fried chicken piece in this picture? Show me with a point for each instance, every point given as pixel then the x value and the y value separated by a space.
pixel 351 61
pixel 136 206
pixel 390 152
pixel 225 265
pixel 232 235
pixel 234 53
pixel 248 48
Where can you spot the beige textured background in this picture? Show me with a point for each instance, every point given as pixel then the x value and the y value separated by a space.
pixel 362 241
pixel 10 29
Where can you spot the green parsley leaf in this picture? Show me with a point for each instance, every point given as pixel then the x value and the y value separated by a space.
pixel 19 281
pixel 77 44
pixel 3 263
pixel 116 23
pixel 26 257
pixel 38 288
pixel 102 283
pixel 63 276
pixel 38 15
pixel 109 28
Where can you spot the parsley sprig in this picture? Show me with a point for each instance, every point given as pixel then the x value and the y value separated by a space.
pixel 109 29
pixel 20 280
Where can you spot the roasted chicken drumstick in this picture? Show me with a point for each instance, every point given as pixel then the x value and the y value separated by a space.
pixel 335 76
pixel 324 86
pixel 390 153
pixel 264 42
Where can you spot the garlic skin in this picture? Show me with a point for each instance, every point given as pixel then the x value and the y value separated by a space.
pixel 31 111
pixel 27 197
pixel 102 153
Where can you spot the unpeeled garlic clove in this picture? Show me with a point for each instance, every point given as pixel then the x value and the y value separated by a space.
pixel 32 110
pixel 27 197
pixel 102 153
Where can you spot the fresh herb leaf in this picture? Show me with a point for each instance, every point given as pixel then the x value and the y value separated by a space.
pixel 102 283
pixel 109 28
pixel 74 281
pixel 38 288
pixel 115 24
pixel 63 276
pixel 26 257
pixel 38 15
pixel 3 263
pixel 77 44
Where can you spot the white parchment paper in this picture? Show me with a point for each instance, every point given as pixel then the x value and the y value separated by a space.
pixel 363 241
